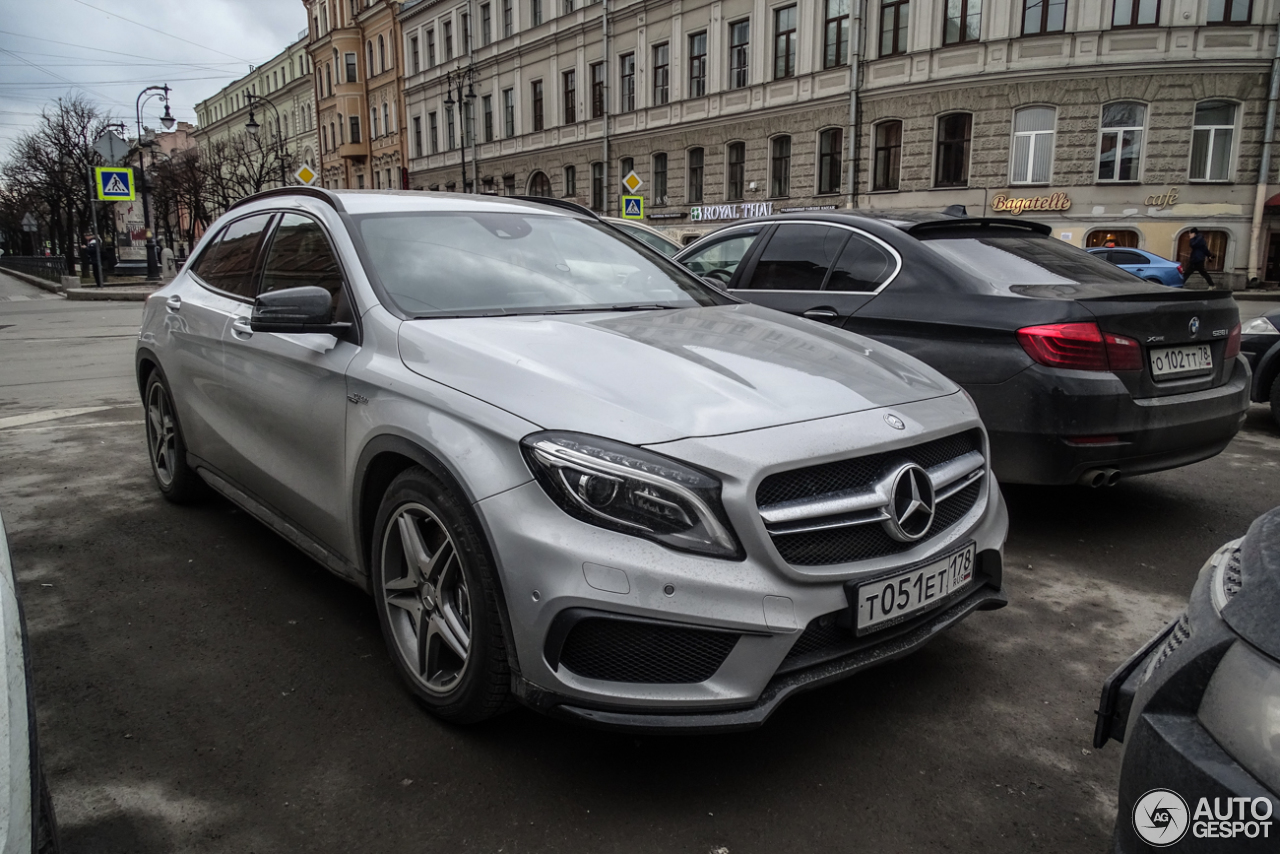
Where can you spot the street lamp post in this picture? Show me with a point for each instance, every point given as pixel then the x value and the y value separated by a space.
pixel 455 80
pixel 253 127
pixel 153 258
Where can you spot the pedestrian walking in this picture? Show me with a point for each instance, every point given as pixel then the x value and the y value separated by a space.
pixel 1199 254
pixel 89 257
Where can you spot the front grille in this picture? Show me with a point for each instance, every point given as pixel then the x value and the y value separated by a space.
pixel 626 651
pixel 1181 634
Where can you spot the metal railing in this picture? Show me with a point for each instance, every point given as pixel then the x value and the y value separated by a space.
pixel 52 268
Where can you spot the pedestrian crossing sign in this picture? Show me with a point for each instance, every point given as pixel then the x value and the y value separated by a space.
pixel 633 207
pixel 114 185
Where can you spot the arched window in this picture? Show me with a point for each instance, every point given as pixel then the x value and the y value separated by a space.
pixel 570 181
pixel 736 160
pixel 888 155
pixel 540 185
pixel 1211 138
pixel 1119 238
pixel 597 186
pixel 1217 241
pixel 693 183
pixel 780 167
pixel 659 179
pixel 382 55
pixel 1120 141
pixel 368 57
pixel 830 145
pixel 1032 159
pixel 952 158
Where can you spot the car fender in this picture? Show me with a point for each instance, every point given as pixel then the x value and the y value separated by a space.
pixel 1265 374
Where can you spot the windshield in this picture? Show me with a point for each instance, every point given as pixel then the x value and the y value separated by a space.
pixel 1024 260
pixel 454 263
pixel 666 247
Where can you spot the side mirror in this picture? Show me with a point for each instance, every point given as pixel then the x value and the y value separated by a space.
pixel 308 309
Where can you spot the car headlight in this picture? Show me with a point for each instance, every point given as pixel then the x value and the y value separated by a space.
pixel 1259 326
pixel 632 491
pixel 1241 710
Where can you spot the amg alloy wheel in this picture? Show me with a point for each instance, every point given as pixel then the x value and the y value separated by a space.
pixel 177 481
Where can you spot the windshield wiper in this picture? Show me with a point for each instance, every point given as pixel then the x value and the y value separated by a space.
pixel 645 307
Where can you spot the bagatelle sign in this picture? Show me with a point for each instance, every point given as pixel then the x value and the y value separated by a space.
pixel 711 213
pixel 1055 202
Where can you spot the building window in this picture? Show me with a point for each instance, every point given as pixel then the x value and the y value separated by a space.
pixel 570 81
pixel 1043 16
pixel 417 136
pixel 373 123
pixel 466 33
pixel 626 166
pixel 351 67
pixel 324 140
pixel 661 74
pixel 448 121
pixel 597 187
pixel 836 35
pixel 695 175
pixel 952 169
pixel 386 120
pixel 1217 244
pixel 486 23
pixel 536 91
pixel 697 65
pixel 1211 141
pixel 570 181
pixel 569 6
pixel 780 167
pixel 448 40
pixel 739 54
pixel 431 48
pixel 597 90
pixel 508 113
pixel 1032 145
pixel 328 75
pixel 433 132
pixel 660 179
pixel 735 184
pixel 1230 11
pixel 830 143
pixel 415 55
pixel 537 11
pixel 540 185
pixel 964 21
pixel 355 128
pixel 382 55
pixel 784 42
pixel 509 184
pixel 627 70
pixel 508 19
pixel 887 149
pixel 486 106
pixel 1135 13
pixel 1120 142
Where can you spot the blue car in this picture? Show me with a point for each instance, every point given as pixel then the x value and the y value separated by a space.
pixel 1143 264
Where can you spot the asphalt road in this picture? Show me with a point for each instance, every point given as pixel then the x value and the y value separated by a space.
pixel 204 687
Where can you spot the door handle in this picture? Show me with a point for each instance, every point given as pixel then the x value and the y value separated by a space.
pixel 173 303
pixel 240 326
pixel 822 314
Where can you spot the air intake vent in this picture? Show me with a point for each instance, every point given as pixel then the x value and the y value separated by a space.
pixel 616 650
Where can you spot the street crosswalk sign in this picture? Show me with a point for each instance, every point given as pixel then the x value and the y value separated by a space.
pixel 114 185
pixel 633 207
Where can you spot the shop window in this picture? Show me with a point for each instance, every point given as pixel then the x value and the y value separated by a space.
pixel 1216 241
pixel 1120 141
pixel 1118 237
pixel 1211 138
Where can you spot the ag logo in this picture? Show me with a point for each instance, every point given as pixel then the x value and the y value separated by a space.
pixel 1160 817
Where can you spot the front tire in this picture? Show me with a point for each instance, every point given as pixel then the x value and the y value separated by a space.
pixel 176 480
pixel 1275 400
pixel 436 595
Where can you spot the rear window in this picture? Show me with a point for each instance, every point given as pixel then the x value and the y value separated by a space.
pixel 1027 260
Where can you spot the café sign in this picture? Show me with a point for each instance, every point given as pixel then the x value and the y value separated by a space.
pixel 713 213
pixel 1055 202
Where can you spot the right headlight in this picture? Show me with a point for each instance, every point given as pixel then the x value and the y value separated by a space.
pixel 632 491
pixel 1241 710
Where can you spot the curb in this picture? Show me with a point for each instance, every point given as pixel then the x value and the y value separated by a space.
pixel 1260 296
pixel 43 284
pixel 110 294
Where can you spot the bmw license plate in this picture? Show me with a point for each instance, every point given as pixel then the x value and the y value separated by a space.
pixel 890 599
pixel 1181 361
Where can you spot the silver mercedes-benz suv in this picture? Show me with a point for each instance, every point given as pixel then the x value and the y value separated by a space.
pixel 568 471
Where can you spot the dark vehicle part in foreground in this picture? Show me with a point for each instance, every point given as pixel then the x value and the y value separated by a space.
pixel 1197 710
pixel 1260 343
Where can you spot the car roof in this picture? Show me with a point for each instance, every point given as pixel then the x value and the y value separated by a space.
pixel 404 201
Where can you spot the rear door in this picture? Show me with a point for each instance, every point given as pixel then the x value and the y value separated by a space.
pixel 1133 262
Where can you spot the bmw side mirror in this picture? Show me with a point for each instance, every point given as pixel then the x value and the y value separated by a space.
pixel 307 309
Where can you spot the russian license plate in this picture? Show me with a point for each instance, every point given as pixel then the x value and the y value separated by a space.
pixel 888 599
pixel 1176 361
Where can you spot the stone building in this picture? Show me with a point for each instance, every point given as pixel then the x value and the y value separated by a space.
pixel 356 50
pixel 1114 121
pixel 280 96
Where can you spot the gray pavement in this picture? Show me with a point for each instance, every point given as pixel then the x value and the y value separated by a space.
pixel 204 687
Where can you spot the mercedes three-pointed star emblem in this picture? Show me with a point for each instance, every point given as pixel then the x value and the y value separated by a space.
pixel 911 504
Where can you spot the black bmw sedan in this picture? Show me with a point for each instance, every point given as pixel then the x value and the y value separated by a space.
pixel 1198 711
pixel 1081 371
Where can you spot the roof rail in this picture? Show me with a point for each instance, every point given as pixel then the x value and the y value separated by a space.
pixel 563 204
pixel 323 195
pixel 932 228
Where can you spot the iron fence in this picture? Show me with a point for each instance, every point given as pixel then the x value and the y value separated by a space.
pixel 51 268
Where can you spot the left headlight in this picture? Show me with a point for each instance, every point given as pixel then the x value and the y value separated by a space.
pixel 632 491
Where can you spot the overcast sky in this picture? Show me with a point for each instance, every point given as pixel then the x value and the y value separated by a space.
pixel 109 50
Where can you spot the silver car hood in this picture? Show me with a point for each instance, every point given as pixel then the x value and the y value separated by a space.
pixel 658 376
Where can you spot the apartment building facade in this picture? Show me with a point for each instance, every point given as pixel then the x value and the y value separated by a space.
pixel 355 48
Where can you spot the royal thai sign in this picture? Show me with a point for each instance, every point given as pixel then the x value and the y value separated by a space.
pixel 1055 202
pixel 712 213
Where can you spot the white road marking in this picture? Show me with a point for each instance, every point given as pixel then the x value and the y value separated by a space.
pixel 49 415
pixel 45 428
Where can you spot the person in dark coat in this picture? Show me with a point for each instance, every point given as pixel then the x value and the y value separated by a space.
pixel 1199 254
pixel 89 257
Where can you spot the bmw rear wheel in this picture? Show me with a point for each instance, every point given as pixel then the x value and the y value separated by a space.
pixel 437 601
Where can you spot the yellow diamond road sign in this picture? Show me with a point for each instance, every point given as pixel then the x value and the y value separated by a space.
pixel 632 182
pixel 306 175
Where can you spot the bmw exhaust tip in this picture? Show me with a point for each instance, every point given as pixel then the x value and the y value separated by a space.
pixel 1113 476
pixel 1093 478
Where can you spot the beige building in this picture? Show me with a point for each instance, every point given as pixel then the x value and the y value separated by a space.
pixel 1123 121
pixel 356 49
pixel 280 96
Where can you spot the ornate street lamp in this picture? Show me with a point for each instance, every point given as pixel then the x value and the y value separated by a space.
pixel 153 257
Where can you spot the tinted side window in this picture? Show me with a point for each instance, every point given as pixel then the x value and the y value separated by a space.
pixel 1131 258
pixel 797 258
pixel 228 266
pixel 719 260
pixel 300 256
pixel 864 265
pixel 1025 260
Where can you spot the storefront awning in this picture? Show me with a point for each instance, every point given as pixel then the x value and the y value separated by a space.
pixel 1273 202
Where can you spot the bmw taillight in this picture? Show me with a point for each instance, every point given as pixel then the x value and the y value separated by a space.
pixel 1233 343
pixel 1080 347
